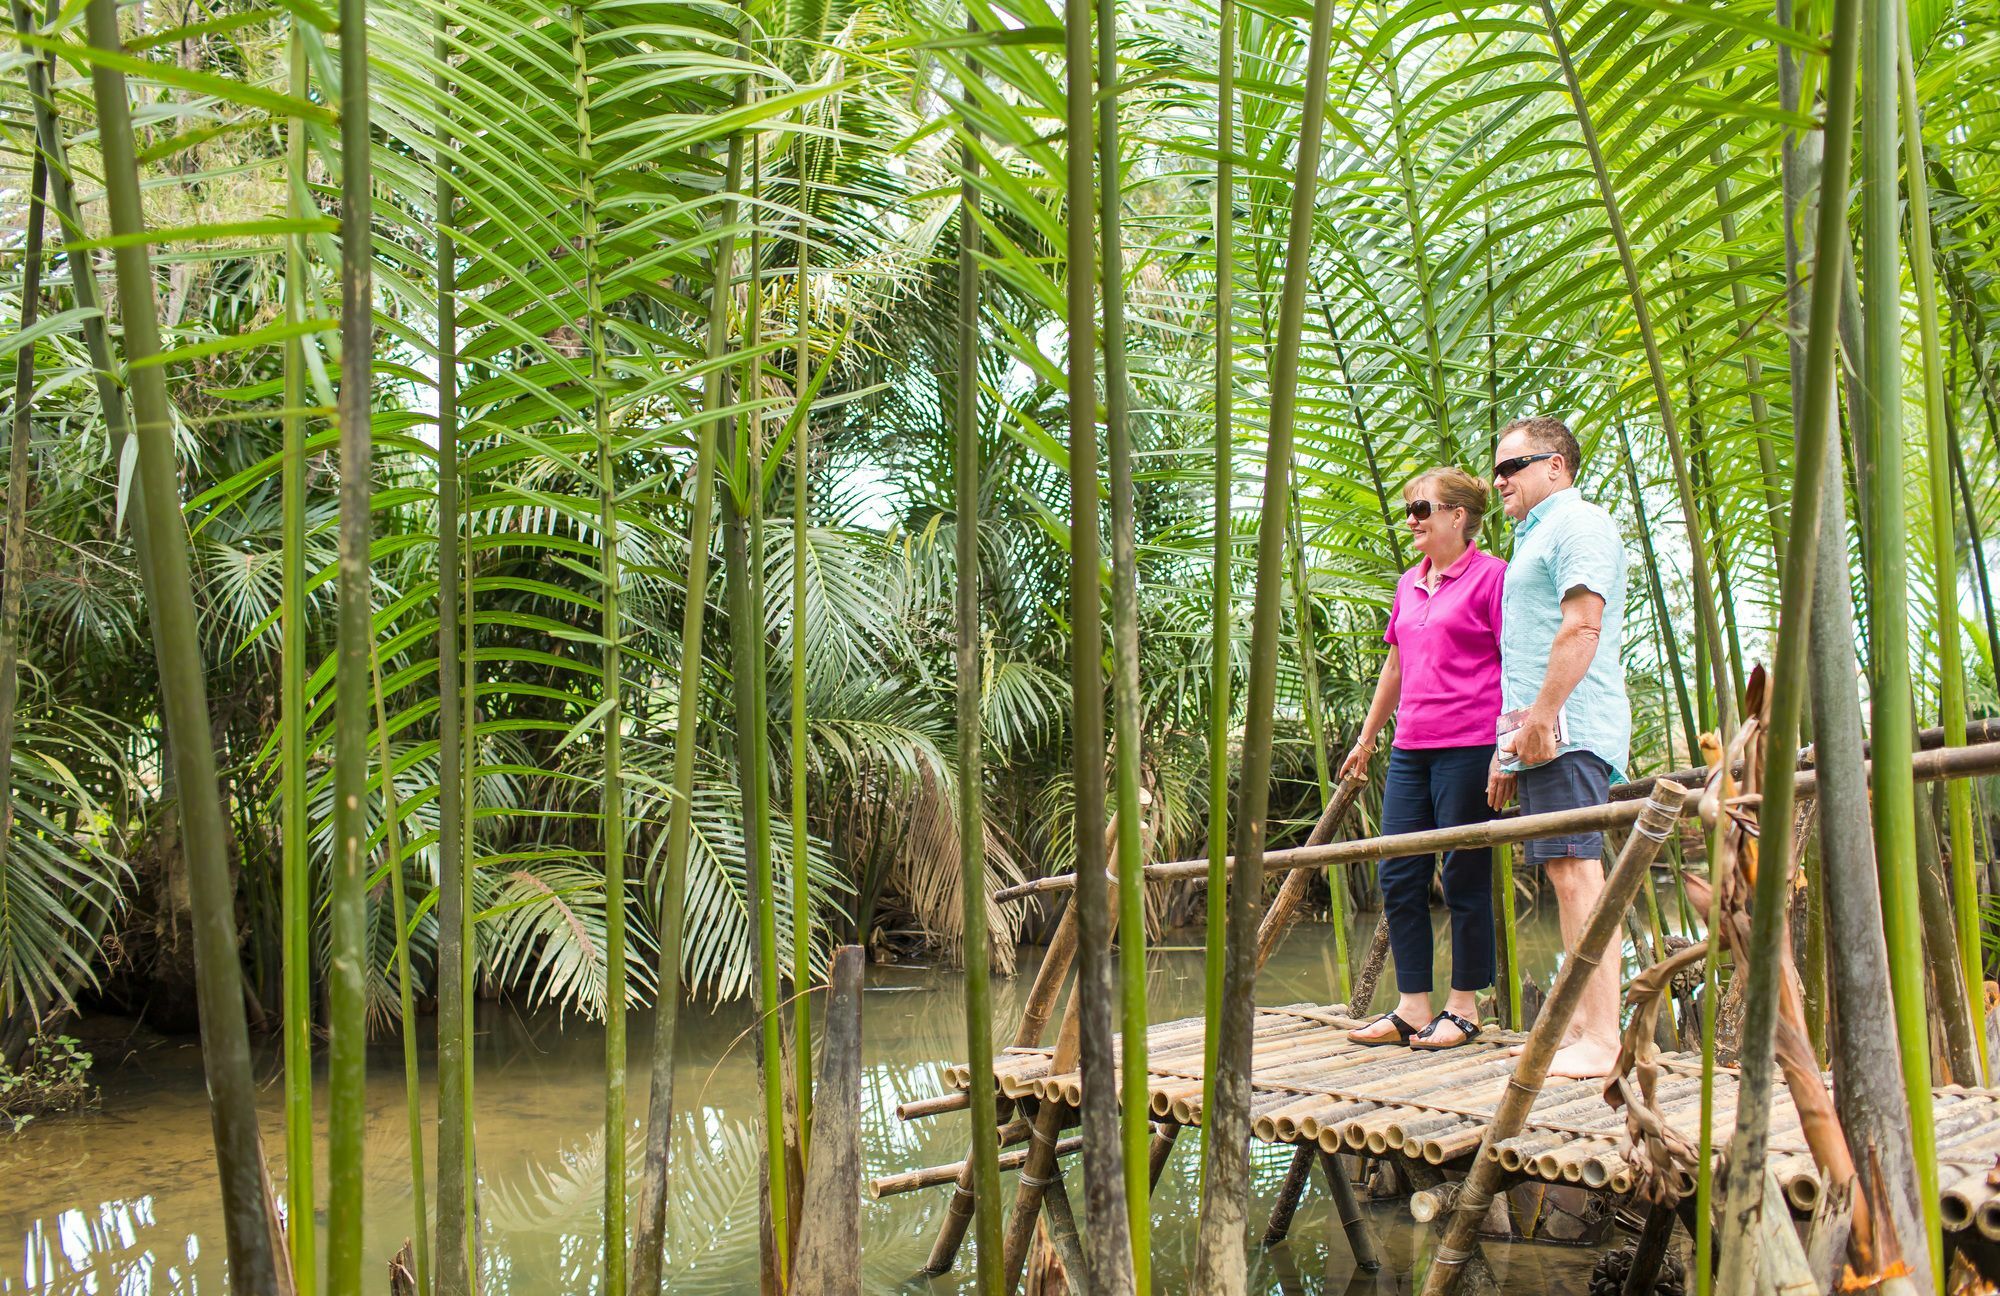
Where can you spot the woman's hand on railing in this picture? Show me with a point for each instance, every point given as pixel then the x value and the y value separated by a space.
pixel 1356 764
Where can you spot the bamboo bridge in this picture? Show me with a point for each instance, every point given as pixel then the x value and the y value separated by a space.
pixel 1459 1126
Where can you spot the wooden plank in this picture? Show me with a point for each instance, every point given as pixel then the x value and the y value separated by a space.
pixel 829 1247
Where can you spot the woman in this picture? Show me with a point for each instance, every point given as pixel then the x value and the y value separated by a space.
pixel 1442 681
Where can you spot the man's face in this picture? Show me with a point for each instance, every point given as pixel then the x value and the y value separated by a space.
pixel 1531 484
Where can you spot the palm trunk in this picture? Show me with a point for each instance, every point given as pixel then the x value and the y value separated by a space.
pixel 984 1108
pixel 457 1265
pixel 183 693
pixel 1710 623
pixel 612 722
pixel 1302 621
pixel 660 1097
pixel 1104 1207
pixel 296 858
pixel 1220 1262
pixel 1892 721
pixel 1221 594
pixel 347 1067
pixel 1125 707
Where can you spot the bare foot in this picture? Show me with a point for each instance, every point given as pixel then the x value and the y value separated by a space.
pixel 1587 1059
pixel 1569 1038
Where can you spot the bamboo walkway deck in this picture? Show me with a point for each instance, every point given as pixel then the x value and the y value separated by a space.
pixel 1311 1086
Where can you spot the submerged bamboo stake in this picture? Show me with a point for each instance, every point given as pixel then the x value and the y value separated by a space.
pixel 1289 1193
pixel 1659 815
pixel 1291 895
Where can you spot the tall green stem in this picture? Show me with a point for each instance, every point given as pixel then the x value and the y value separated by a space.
pixel 456 1259
pixel 1892 721
pixel 1302 622
pixel 347 1069
pixel 1106 1222
pixel 1220 1263
pixel 612 723
pixel 971 766
pixel 687 732
pixel 1943 539
pixel 226 1058
pixel 1221 593
pixel 296 862
pixel 800 879
pixel 1135 1095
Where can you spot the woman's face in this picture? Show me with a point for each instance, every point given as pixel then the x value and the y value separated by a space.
pixel 1439 530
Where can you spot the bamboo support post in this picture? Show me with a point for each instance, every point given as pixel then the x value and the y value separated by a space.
pixel 1371 968
pixel 1360 1239
pixel 1291 895
pixel 1289 1193
pixel 1651 1252
pixel 1165 1136
pixel 1654 822
pixel 1063 1231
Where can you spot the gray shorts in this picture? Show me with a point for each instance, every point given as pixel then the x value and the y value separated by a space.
pixel 1569 782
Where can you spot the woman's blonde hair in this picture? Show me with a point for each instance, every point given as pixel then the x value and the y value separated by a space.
pixel 1456 488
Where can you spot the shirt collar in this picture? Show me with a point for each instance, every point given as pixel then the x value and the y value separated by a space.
pixel 1457 567
pixel 1542 510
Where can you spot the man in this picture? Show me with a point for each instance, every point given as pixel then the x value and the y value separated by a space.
pixel 1562 615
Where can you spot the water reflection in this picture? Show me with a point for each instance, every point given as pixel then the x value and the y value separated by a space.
pixel 123 1200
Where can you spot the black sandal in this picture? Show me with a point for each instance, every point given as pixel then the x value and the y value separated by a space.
pixel 1468 1032
pixel 1404 1031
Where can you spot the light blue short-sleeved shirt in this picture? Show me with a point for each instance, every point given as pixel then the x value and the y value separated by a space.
pixel 1567 543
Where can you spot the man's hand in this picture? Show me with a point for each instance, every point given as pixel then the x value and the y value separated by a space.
pixel 1535 740
pixel 1499 785
pixel 1356 764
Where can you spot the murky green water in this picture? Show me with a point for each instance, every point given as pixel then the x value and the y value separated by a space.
pixel 123 1199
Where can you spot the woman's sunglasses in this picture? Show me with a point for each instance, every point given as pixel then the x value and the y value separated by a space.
pixel 1418 510
pixel 1508 467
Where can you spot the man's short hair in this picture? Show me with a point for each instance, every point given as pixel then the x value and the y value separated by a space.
pixel 1550 434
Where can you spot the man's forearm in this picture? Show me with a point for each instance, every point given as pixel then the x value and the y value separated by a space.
pixel 1569 660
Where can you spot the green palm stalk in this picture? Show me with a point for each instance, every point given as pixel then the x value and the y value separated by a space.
pixel 1892 723
pixel 1302 619
pixel 392 851
pixel 1220 1262
pixel 1221 594
pixel 971 771
pixel 1135 1097
pixel 1107 1224
pixel 687 730
pixel 801 882
pixel 296 863
pixel 183 688
pixel 456 1180
pixel 612 721
pixel 1943 539
pixel 1788 682
pixel 347 1067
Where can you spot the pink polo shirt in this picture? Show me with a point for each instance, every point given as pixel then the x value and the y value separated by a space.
pixel 1449 644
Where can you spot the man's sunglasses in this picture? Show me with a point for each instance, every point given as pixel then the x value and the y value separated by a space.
pixel 1418 510
pixel 1508 467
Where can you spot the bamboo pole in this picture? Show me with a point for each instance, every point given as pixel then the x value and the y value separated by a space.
pixel 1289 1193
pixel 983 1174
pixel 162 537
pixel 457 951
pixel 1221 1265
pixel 1458 1246
pixel 1976 761
pixel 801 878
pixel 660 1099
pixel 1277 919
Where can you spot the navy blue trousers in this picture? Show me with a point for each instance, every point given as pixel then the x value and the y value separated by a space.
pixel 1438 787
